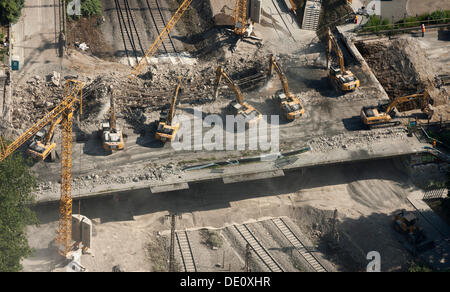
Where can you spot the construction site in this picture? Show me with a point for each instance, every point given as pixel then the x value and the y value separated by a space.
pixel 126 119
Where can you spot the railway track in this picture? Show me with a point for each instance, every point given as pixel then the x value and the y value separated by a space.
pixel 130 36
pixel 258 248
pixel 186 251
pixel 299 246
pixel 160 23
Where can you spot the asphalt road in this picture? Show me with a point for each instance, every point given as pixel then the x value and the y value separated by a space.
pixel 36 39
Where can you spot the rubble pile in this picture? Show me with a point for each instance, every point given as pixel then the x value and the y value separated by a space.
pixel 400 65
pixel 39 95
pixel 148 174
pixel 355 139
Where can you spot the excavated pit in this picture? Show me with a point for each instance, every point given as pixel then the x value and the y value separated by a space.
pixel 400 66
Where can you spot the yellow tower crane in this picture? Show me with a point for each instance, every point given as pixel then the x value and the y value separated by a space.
pixel 73 95
pixel 290 105
pixel 159 40
pixel 240 17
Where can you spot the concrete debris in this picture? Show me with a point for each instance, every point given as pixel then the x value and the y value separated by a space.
pixel 55 78
pixel 88 182
pixel 354 140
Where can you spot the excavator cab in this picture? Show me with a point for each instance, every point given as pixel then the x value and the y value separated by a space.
pixel 42 145
pixel 407 224
pixel 293 110
pixel 239 108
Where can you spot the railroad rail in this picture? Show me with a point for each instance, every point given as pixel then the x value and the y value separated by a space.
pixel 432 194
pixel 299 246
pixel 258 248
pixel 130 35
pixel 186 251
pixel 160 23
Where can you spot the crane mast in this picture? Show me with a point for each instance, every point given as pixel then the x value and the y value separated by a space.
pixel 240 17
pixel 73 94
pixel 159 40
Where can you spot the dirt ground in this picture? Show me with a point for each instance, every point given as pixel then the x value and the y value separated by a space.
pixel 364 194
pixel 426 6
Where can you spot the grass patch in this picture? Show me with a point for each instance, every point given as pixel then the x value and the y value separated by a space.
pixel 419 268
pixel 211 238
pixel 376 24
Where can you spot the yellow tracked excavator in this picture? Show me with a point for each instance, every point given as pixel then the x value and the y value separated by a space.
pixel 112 136
pixel 290 105
pixel 167 130
pixel 239 107
pixel 43 145
pixel 344 80
pixel 383 114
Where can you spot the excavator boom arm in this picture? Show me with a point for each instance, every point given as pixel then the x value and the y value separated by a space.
pixel 283 79
pixel 174 102
pixel 332 43
pixel 220 74
pixel 112 119
pixel 51 130
pixel 422 96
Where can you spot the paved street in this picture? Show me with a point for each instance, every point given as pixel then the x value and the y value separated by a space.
pixel 35 38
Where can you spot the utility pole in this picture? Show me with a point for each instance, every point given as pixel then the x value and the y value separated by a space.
pixel 247 258
pixel 172 241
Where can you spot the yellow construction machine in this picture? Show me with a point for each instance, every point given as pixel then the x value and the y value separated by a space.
pixel 383 114
pixel 290 105
pixel 73 98
pixel 166 130
pixel 406 223
pixel 112 136
pixel 341 78
pixel 43 145
pixel 239 107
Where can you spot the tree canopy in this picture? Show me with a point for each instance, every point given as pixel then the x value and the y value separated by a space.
pixel 10 10
pixel 16 185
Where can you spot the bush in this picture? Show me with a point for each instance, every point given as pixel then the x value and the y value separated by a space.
pixel 16 185
pixel 418 268
pixel 91 8
pixel 212 238
pixel 10 11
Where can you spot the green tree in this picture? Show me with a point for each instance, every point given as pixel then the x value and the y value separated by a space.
pixel 16 185
pixel 10 10
pixel 91 8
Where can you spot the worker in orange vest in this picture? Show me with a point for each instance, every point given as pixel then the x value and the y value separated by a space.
pixel 423 30
pixel 356 19
pixel 434 143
